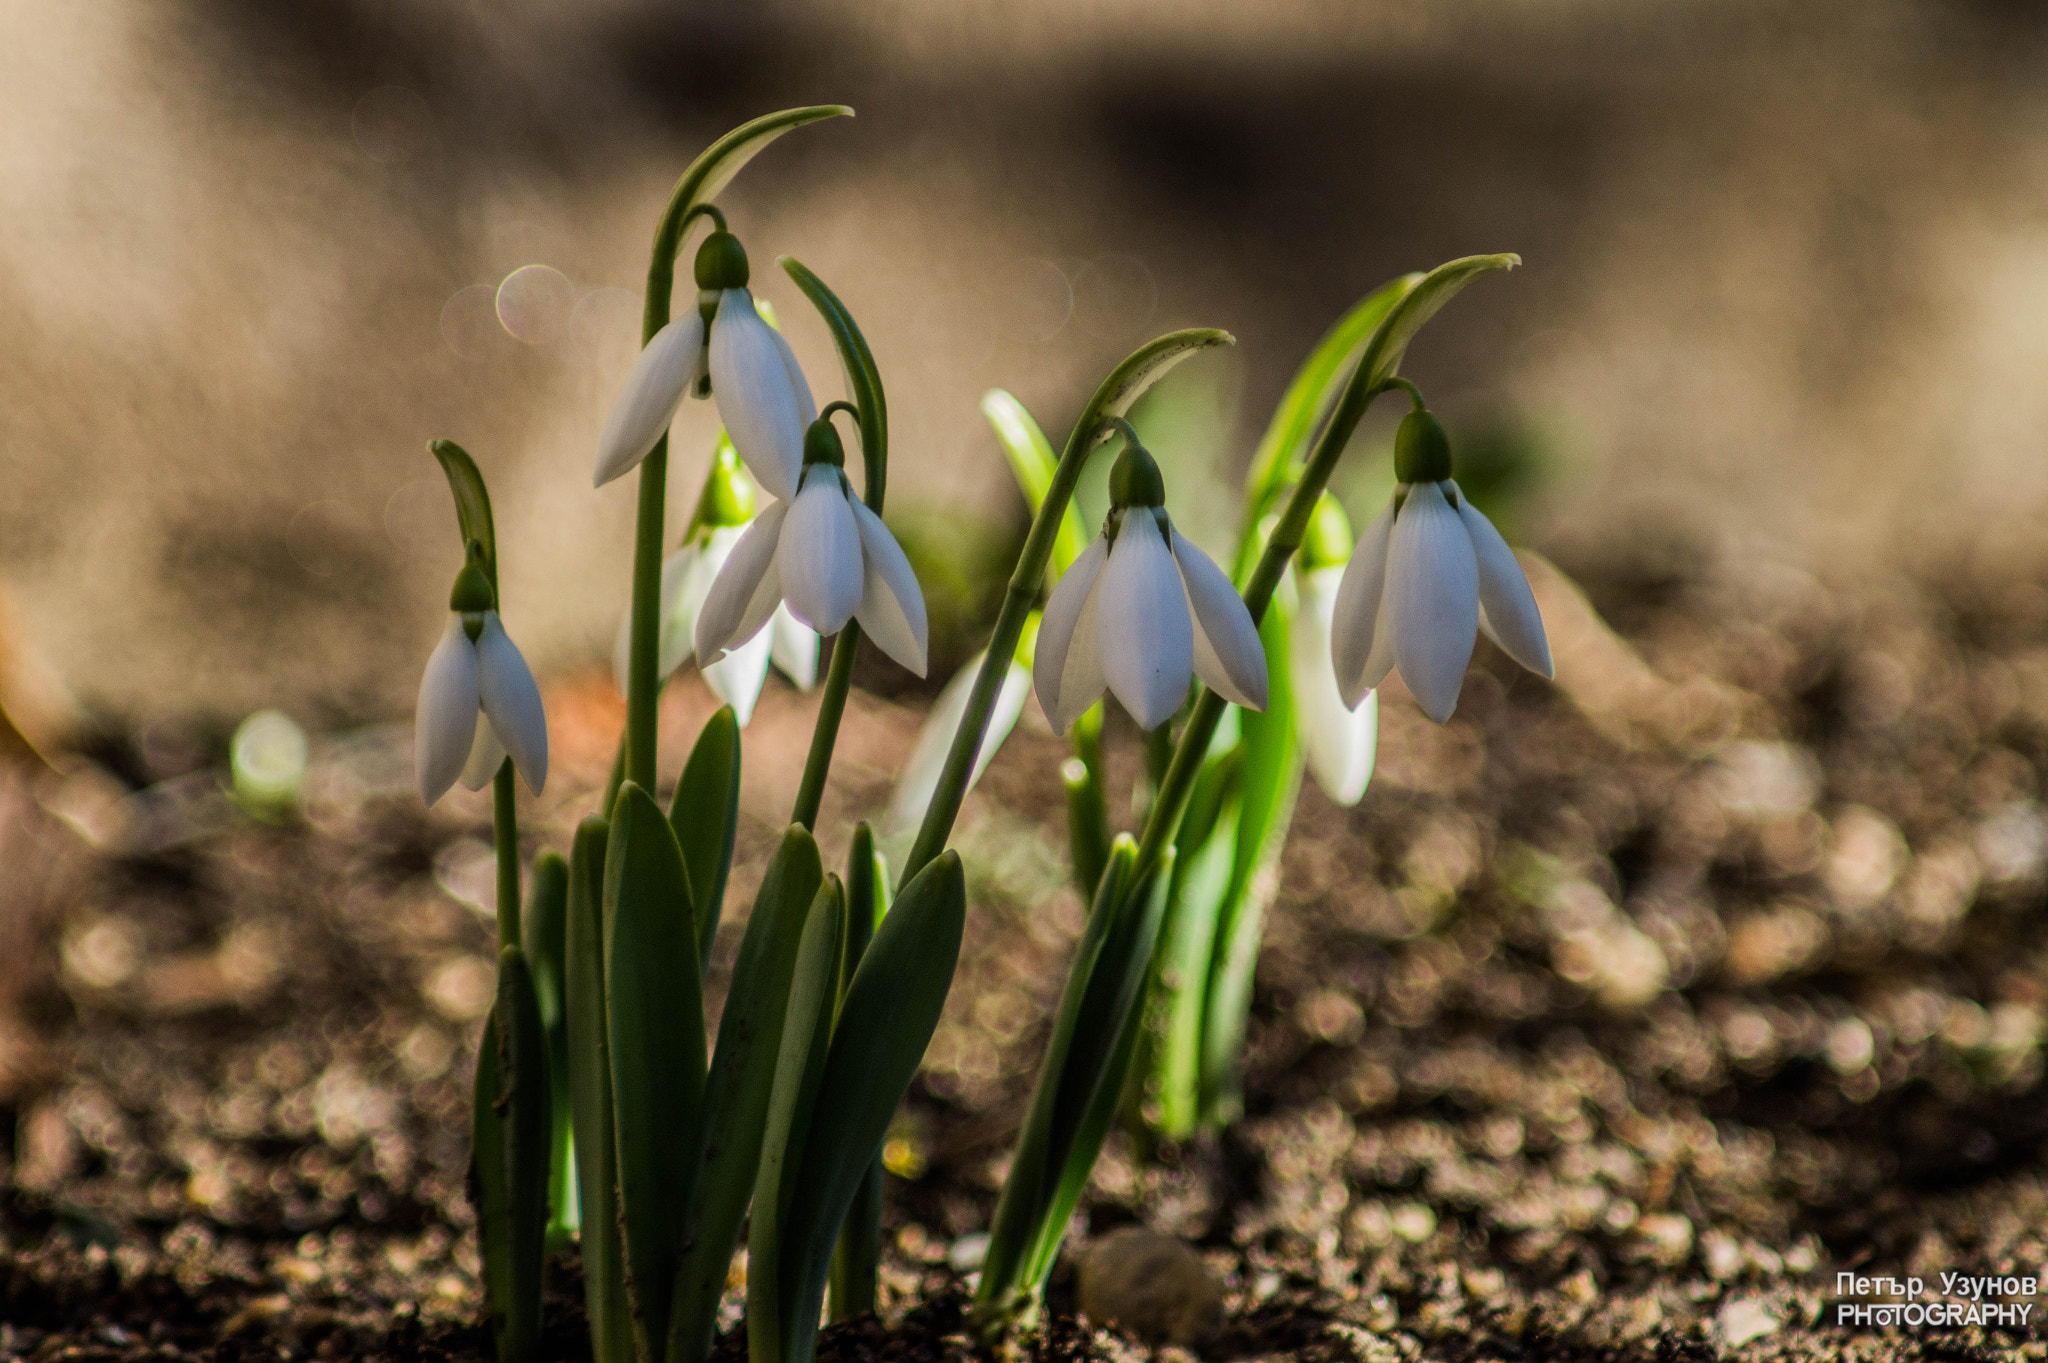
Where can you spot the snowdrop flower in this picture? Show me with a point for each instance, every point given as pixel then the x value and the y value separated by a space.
pixel 825 555
pixel 1428 576
pixel 928 758
pixel 478 701
pixel 1140 612
pixel 723 514
pixel 761 393
pixel 1339 741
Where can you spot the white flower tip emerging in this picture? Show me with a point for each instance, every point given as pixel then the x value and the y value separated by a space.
pixel 446 717
pixel 511 701
pixel 647 404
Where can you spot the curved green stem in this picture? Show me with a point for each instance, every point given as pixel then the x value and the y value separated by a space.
pixel 505 834
pixel 1117 392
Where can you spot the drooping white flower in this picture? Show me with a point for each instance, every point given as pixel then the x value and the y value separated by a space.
pixel 1338 741
pixel 478 702
pixel 1142 611
pixel 1429 575
pixel 760 390
pixel 927 762
pixel 827 557
pixel 723 513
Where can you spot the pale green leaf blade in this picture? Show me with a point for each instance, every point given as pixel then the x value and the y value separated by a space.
pixel 704 815
pixel 863 379
pixel 590 1092
pixel 1033 461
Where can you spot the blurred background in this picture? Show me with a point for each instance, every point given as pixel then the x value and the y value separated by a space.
pixel 1781 305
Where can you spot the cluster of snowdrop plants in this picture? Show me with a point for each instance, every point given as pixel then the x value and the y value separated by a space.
pixel 608 1110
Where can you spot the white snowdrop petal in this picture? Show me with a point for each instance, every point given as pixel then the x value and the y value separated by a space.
pixel 1354 628
pixel 652 392
pixel 763 413
pixel 927 762
pixel 1338 741
pixel 1228 654
pixel 819 554
pixel 746 591
pixel 737 678
pixel 675 571
pixel 486 755
pixel 1142 630
pixel 794 647
pixel 511 700
pixel 891 606
pixel 1059 632
pixel 445 720
pixel 806 406
pixel 1432 600
pixel 1507 608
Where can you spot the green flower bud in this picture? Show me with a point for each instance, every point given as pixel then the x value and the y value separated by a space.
pixel 721 262
pixel 1328 541
pixel 821 444
pixel 1134 479
pixel 472 592
pixel 1422 452
pixel 728 497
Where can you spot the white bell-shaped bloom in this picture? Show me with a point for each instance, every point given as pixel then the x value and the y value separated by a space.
pixel 831 560
pixel 1339 742
pixel 1142 618
pixel 1429 575
pixel 737 678
pixel 928 758
pixel 478 703
pixel 760 391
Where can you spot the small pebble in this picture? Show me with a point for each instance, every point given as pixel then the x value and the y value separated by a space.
pixel 1742 1320
pixel 1152 1286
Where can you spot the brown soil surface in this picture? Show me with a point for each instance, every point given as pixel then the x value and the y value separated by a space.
pixel 1615 1020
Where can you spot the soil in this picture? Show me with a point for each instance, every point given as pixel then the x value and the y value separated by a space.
pixel 1618 1018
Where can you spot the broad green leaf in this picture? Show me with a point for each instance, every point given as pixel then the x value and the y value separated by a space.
pixel 472 503
pixel 891 1009
pixel 1272 778
pixel 856 1262
pixel 1314 390
pixel 736 1095
pixel 1032 461
pixel 547 915
pixel 1416 306
pixel 863 379
pixel 706 178
pixel 1029 1189
pixel 773 1329
pixel 1093 1082
pixel 705 817
pixel 656 1028
pixel 590 1093
pixel 510 1131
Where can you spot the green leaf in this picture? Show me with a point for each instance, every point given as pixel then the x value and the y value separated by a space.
pixel 800 1063
pixel 856 1262
pixel 737 1093
pixel 510 1130
pixel 590 1093
pixel 1032 460
pixel 1206 850
pixel 706 178
pixel 1091 1079
pixel 472 503
pixel 547 914
pixel 705 817
pixel 1416 306
pixel 863 379
pixel 1035 1169
pixel 656 1028
pixel 1272 778
pixel 1314 390
pixel 1142 368
pixel 892 1008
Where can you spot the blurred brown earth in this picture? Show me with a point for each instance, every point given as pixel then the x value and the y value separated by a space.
pixel 1781 300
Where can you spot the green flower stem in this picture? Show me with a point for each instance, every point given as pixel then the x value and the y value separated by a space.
pixel 1172 796
pixel 810 792
pixel 505 833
